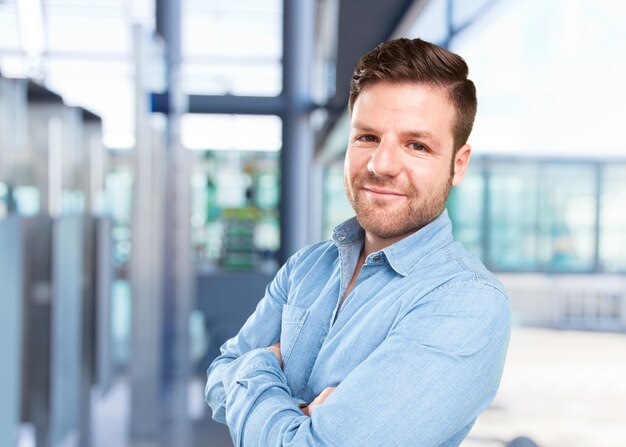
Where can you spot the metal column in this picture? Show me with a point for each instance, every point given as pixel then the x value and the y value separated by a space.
pixel 297 151
pixel 11 278
pixel 145 361
pixel 178 271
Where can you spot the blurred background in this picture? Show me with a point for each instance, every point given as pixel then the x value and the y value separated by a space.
pixel 160 159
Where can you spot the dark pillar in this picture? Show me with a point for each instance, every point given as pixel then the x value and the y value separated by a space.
pixel 296 155
pixel 177 268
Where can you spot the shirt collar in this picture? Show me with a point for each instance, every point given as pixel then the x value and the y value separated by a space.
pixel 407 253
pixel 348 232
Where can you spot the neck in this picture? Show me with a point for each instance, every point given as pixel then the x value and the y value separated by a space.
pixel 375 243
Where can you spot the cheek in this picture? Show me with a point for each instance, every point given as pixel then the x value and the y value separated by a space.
pixel 427 177
pixel 349 166
pixel 356 161
pixel 418 175
pixel 346 164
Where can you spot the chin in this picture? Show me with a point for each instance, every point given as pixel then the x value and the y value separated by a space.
pixel 392 225
pixel 385 230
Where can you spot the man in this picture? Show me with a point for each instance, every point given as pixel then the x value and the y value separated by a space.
pixel 391 334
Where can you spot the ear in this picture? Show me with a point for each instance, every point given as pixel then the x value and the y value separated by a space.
pixel 461 161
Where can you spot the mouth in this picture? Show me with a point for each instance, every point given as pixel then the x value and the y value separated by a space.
pixel 382 193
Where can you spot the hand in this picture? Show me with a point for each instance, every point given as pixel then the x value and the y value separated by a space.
pixel 275 348
pixel 319 400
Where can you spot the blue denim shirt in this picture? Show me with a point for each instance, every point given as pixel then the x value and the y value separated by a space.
pixel 416 350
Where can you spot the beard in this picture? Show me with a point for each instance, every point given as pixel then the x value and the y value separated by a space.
pixel 389 220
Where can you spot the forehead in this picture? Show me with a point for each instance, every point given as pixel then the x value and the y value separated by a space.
pixel 409 91
pixel 410 106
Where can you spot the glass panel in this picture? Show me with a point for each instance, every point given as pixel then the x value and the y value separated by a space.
pixel 337 209
pixel 613 219
pixel 236 190
pixel 567 217
pixel 243 77
pixel 525 61
pixel 513 216
pixel 119 194
pixel 9 31
pixel 113 99
pixel 14 65
pixel 119 205
pixel 88 57
pixel 214 30
pixel 234 220
pixel 431 24
pixel 27 199
pixel 464 11
pixel 121 308
pixel 218 57
pixel 4 200
pixel 76 33
pixel 228 132
pixel 466 208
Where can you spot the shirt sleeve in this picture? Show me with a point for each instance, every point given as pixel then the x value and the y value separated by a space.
pixel 262 329
pixel 419 387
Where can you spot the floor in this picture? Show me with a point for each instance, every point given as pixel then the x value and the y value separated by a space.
pixel 560 389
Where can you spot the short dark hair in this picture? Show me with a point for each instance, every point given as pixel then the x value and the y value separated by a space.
pixel 415 60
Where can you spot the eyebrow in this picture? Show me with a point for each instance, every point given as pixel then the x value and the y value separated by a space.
pixel 362 127
pixel 421 134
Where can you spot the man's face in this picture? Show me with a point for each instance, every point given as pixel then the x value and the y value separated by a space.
pixel 399 164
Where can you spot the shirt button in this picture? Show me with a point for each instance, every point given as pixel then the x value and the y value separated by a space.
pixel 376 258
pixel 341 238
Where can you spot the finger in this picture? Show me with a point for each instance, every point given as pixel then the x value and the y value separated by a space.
pixel 312 406
pixel 324 394
pixel 319 400
pixel 275 348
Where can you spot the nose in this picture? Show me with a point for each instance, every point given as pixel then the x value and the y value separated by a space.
pixel 385 160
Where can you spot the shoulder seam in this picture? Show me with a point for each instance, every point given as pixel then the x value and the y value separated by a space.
pixel 476 276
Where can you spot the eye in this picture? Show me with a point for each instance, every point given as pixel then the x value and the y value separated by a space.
pixel 418 147
pixel 367 138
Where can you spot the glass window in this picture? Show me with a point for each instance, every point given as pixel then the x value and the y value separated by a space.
pixel 512 193
pixel 9 31
pixel 232 47
pixel 543 216
pixel 336 206
pixel 4 200
pixel 525 59
pixel 27 200
pixel 234 220
pixel 225 30
pixel 247 77
pixel 613 219
pixel 75 33
pixel 88 57
pixel 466 208
pixel 119 198
pixel 567 217
pixel 113 99
pixel 464 11
pixel 432 23
pixel 231 132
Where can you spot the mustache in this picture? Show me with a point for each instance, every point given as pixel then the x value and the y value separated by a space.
pixel 372 180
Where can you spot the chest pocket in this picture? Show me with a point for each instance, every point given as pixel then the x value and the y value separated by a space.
pixel 293 319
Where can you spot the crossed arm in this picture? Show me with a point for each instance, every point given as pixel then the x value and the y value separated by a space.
pixel 417 388
pixel 307 409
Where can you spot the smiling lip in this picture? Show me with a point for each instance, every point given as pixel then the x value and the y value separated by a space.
pixel 382 192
